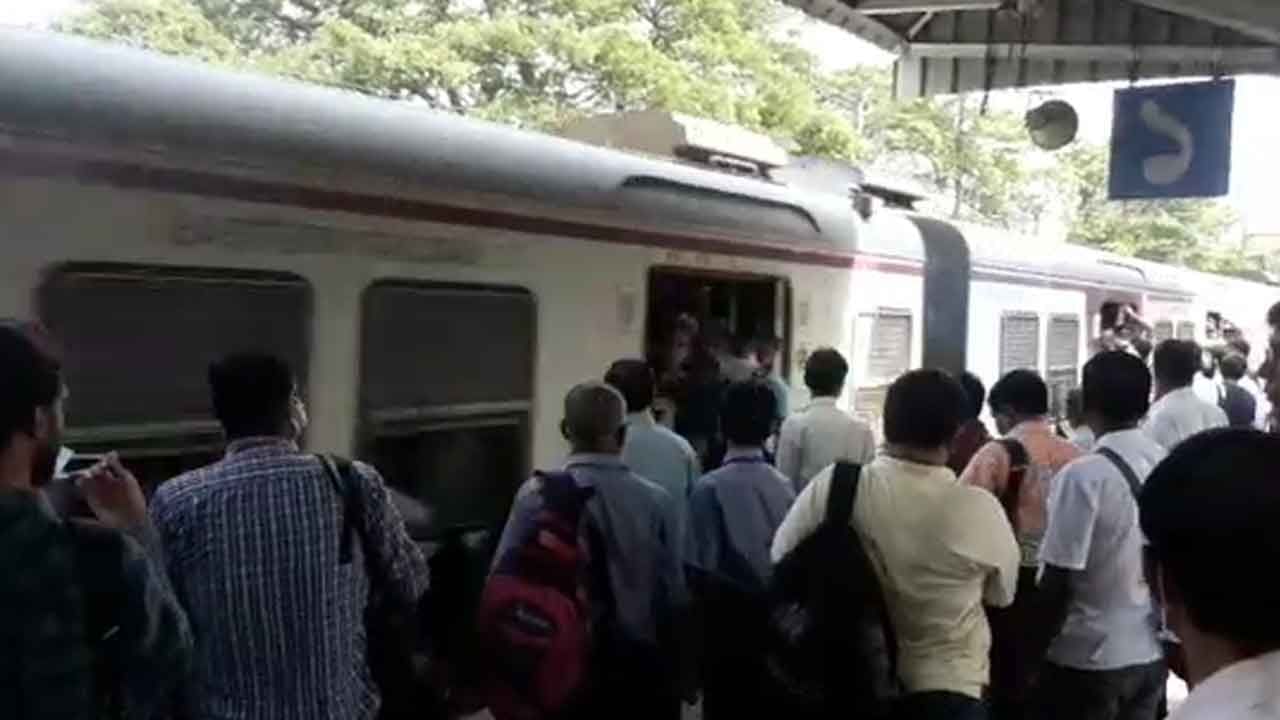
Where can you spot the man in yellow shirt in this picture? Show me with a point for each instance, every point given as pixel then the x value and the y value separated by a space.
pixel 942 549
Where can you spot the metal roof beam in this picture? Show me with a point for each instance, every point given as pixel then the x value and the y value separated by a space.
pixel 895 7
pixel 1256 18
pixel 1103 53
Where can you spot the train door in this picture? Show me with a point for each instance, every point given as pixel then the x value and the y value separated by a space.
pixel 136 344
pixel 727 309
pixel 446 391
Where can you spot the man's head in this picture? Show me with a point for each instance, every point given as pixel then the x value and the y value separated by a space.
pixel 749 413
pixel 975 395
pixel 256 395
pixel 825 372
pixel 1116 391
pixel 634 379
pixel 1234 367
pixel 923 410
pixel 1240 346
pixel 1017 397
pixel 1175 365
pixel 31 393
pixel 594 419
pixel 767 349
pixel 1209 515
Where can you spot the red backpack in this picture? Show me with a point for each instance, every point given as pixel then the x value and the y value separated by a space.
pixel 535 617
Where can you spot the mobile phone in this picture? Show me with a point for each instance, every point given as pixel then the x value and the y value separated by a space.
pixel 78 464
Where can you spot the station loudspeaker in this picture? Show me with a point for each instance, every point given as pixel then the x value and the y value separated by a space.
pixel 1053 125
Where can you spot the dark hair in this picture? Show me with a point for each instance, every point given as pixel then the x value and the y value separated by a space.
pixel 1234 367
pixel 1117 386
pixel 634 379
pixel 1273 315
pixel 749 412
pixel 1075 404
pixel 1209 515
pixel 251 394
pixel 1241 346
pixel 1021 391
pixel 825 372
pixel 1142 346
pixel 975 392
pixel 31 379
pixel 924 409
pixel 1176 363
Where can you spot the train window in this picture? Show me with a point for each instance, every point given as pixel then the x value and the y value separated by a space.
pixel 1163 331
pixel 889 351
pixel 1063 359
pixel 1019 341
pixel 446 387
pixel 138 342
pixel 1186 330
pixel 737 306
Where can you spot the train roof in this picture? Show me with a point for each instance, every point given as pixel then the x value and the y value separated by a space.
pixel 67 90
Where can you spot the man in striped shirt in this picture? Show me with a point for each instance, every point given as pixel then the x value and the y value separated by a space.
pixel 253 544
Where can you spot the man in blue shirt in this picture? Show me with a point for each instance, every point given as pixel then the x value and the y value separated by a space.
pixel 734 513
pixel 652 451
pixel 637 672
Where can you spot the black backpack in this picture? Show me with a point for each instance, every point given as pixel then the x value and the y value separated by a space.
pixel 831 652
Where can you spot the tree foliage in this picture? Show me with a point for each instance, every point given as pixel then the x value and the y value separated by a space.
pixel 543 63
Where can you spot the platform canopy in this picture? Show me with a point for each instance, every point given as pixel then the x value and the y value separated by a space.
pixel 953 46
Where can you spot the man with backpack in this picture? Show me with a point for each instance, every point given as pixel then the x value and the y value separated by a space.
pixel 583 613
pixel 1104 660
pixel 940 549
pixel 90 627
pixel 1016 469
pixel 278 559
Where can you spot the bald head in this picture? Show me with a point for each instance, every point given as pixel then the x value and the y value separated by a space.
pixel 594 417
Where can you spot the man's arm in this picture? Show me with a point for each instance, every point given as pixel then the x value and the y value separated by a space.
pixel 988 469
pixel 804 517
pixel 989 541
pixel 402 561
pixel 1064 551
pixel 790 451
pixel 1053 594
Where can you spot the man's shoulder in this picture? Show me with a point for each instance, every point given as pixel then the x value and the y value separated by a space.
pixel 674 440
pixel 171 493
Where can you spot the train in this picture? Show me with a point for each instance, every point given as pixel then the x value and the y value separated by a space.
pixel 439 282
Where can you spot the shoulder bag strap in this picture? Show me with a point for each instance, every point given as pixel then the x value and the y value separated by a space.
pixel 1131 477
pixel 339 473
pixel 843 493
pixel 1019 463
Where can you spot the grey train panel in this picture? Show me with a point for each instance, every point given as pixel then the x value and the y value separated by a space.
pixel 946 295
pixel 150 105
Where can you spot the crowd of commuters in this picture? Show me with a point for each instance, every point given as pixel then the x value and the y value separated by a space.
pixel 1044 571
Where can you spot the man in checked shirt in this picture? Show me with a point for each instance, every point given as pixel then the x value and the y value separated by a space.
pixel 253 544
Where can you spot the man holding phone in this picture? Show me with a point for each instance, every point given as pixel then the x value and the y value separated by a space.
pixel 91 627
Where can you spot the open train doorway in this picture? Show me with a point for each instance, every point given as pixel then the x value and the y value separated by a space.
pixel 693 316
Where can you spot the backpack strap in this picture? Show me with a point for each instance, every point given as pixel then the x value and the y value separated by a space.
pixel 1019 464
pixel 1131 477
pixel 844 492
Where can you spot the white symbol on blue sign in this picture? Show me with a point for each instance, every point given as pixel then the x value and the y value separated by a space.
pixel 1168 168
pixel 1172 141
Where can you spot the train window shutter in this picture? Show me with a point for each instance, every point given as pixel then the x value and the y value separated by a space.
pixel 1019 342
pixel 1186 330
pixel 1063 359
pixel 138 341
pixel 890 347
pixel 444 347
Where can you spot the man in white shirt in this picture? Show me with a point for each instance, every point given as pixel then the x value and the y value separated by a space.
pixel 1178 412
pixel 820 434
pixel 1104 661
pixel 1209 513
pixel 942 549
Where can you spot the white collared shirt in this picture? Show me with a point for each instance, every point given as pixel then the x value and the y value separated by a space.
pixel 1179 415
pixel 815 437
pixel 1247 690
pixel 1093 530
